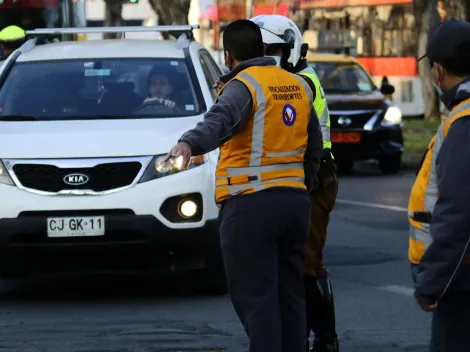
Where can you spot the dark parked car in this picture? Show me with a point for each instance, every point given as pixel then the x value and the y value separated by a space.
pixel 364 123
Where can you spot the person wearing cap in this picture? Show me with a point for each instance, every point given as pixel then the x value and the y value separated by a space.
pixel 11 38
pixel 439 212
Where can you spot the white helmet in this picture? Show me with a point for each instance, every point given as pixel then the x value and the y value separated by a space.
pixel 277 29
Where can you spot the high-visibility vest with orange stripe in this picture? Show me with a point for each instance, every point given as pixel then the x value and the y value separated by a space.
pixel 424 193
pixel 269 150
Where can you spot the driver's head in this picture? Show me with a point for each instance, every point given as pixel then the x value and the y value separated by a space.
pixel 159 86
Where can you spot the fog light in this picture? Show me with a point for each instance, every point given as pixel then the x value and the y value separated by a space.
pixel 187 208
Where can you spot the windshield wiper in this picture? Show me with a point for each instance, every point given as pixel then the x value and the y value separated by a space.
pixel 18 118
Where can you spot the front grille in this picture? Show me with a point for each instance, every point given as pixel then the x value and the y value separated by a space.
pixel 357 120
pixel 102 177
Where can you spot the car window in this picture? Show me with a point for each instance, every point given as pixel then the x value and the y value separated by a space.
pixel 94 89
pixel 342 77
pixel 210 79
pixel 213 67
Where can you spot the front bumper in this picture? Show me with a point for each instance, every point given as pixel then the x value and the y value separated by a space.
pixel 375 144
pixel 139 232
pixel 131 242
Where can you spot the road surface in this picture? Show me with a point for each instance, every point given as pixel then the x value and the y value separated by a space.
pixel 366 254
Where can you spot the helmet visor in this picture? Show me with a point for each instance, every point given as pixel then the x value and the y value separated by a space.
pixel 271 38
pixel 288 37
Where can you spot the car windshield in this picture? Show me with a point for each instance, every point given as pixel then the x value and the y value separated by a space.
pixel 339 77
pixel 98 89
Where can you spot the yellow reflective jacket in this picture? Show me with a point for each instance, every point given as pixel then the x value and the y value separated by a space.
pixel 320 105
pixel 269 150
pixel 424 193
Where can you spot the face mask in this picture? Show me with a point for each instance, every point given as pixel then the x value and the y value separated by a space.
pixel 440 92
pixel 439 89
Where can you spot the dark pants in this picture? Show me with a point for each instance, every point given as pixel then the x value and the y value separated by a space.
pixel 322 202
pixel 320 301
pixel 262 237
pixel 451 323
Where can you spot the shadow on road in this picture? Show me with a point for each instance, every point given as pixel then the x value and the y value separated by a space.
pixel 97 287
pixel 371 169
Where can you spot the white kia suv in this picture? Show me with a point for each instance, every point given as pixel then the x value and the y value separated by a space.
pixel 83 129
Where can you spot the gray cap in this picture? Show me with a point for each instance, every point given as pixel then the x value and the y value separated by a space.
pixel 449 41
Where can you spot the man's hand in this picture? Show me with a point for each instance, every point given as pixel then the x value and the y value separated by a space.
pixel 180 149
pixel 218 84
pixel 425 305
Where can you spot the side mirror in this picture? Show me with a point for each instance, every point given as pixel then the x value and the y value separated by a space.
pixel 387 89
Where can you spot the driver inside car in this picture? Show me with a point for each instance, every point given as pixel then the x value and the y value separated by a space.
pixel 159 89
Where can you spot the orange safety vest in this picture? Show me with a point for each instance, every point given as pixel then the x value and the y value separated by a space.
pixel 269 150
pixel 424 193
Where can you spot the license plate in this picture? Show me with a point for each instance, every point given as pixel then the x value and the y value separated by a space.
pixel 76 226
pixel 345 137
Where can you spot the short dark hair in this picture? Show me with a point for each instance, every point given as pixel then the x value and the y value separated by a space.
pixel 243 40
pixel 456 65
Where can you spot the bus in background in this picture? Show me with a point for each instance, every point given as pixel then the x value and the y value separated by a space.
pixel 379 33
pixel 31 14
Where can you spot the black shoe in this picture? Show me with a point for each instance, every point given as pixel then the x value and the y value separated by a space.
pixel 321 313
pixel 322 346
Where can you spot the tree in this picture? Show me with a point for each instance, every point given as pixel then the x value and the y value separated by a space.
pixel 457 8
pixel 174 14
pixel 426 15
pixel 113 17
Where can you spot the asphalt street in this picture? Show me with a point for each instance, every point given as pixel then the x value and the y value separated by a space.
pixel 366 255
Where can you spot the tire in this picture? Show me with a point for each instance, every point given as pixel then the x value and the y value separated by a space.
pixel 390 165
pixel 345 166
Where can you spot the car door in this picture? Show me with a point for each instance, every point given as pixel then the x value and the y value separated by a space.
pixel 211 71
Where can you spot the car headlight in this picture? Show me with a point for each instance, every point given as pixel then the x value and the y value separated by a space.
pixel 392 117
pixel 5 176
pixel 160 168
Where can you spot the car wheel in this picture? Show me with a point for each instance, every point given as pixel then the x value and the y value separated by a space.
pixel 345 166
pixel 390 164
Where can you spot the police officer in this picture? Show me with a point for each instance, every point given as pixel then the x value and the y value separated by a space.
pixel 283 39
pixel 439 244
pixel 11 38
pixel 270 148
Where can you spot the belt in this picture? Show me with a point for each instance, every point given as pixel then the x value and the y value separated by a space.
pixel 421 216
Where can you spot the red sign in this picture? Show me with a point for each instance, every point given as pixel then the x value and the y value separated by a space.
pixel 38 4
pixel 306 4
pixel 231 12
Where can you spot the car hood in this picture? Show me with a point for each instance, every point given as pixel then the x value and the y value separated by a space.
pixel 352 101
pixel 91 138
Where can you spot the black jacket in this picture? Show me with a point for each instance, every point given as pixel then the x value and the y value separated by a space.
pixel 444 266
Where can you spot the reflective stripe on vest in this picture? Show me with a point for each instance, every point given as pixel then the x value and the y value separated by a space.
pixel 320 105
pixel 269 150
pixel 424 193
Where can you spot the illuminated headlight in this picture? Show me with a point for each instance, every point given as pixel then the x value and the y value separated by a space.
pixel 187 209
pixel 4 176
pixel 392 117
pixel 159 168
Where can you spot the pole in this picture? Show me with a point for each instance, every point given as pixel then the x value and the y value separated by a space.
pixel 217 30
pixel 249 8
